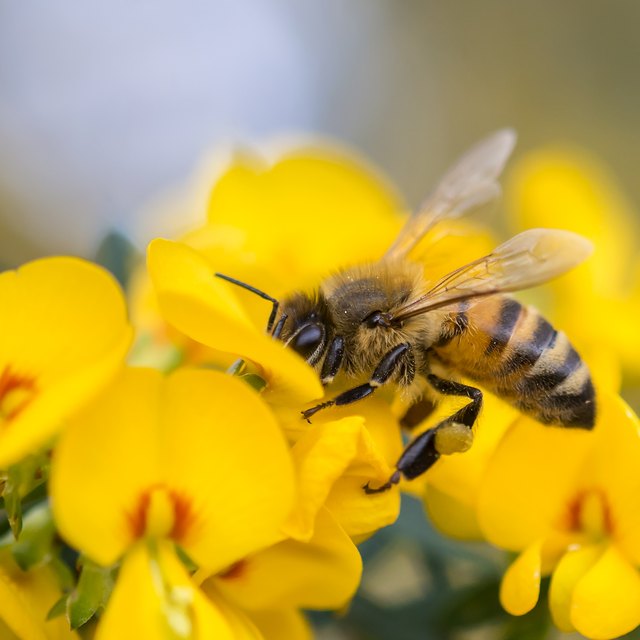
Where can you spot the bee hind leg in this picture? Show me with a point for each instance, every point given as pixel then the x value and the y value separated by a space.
pixel 452 435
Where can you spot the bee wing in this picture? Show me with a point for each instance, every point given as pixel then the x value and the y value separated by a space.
pixel 472 181
pixel 528 259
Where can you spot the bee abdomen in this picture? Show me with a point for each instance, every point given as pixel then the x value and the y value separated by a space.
pixel 512 350
pixel 541 370
pixel 558 388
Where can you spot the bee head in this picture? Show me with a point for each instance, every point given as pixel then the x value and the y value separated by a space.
pixel 306 326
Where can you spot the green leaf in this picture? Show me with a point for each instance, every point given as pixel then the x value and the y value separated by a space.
pixel 21 479
pixel 92 593
pixel 254 381
pixel 237 368
pixel 119 255
pixel 66 577
pixel 37 536
pixel 146 352
pixel 13 501
pixel 59 608
pixel 190 565
pixel 473 605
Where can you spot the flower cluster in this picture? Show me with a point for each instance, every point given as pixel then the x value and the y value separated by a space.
pixel 171 488
pixel 186 500
pixel 565 501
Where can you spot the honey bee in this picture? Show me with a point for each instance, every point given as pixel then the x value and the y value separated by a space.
pixel 387 322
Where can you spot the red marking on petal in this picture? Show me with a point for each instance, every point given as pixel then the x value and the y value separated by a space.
pixel 235 571
pixel 138 517
pixel 183 514
pixel 575 519
pixel 12 383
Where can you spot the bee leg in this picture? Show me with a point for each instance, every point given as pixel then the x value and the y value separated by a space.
pixel 277 330
pixel 452 435
pixel 333 360
pixel 419 455
pixel 417 413
pixel 390 363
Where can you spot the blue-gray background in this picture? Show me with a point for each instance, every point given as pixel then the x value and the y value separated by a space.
pixel 103 105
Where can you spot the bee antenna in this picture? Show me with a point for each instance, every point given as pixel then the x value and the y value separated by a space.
pixel 262 294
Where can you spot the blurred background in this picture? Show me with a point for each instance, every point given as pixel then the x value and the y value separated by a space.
pixel 105 106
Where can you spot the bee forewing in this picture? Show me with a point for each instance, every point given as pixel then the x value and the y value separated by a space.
pixel 528 259
pixel 537 255
pixel 476 172
pixel 471 182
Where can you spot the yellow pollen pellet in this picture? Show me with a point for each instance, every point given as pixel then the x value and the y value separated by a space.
pixel 453 437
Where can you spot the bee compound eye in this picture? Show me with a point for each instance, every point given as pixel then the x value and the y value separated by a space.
pixel 307 340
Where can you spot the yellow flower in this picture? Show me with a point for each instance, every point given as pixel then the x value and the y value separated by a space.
pixel 334 458
pixel 195 460
pixel 450 488
pixel 571 190
pixel 266 227
pixel 25 600
pixel 569 501
pixel 317 565
pixel 274 584
pixel 298 217
pixel 203 308
pixel 64 334
pixel 282 225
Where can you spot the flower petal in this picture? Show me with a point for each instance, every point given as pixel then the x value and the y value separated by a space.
pixel 454 518
pixel 520 587
pixel 282 625
pixel 25 600
pixel 323 573
pixel 240 622
pixel 359 514
pixel 572 567
pixel 552 187
pixel 529 481
pixel 325 454
pixel 155 598
pixel 606 601
pixel 279 206
pixel 65 326
pixel 452 485
pixel 203 308
pixel 109 451
pixel 223 449
pixel 616 450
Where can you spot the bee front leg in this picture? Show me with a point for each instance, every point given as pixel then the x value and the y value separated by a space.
pixel 452 435
pixel 391 362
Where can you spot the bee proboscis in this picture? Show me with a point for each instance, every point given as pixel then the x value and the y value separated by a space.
pixel 384 320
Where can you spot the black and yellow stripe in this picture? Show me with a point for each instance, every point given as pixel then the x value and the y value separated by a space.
pixel 512 350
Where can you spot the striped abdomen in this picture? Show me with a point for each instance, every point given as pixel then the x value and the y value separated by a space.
pixel 511 350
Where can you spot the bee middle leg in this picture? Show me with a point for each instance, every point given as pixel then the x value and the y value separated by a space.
pixel 452 435
pixel 392 361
